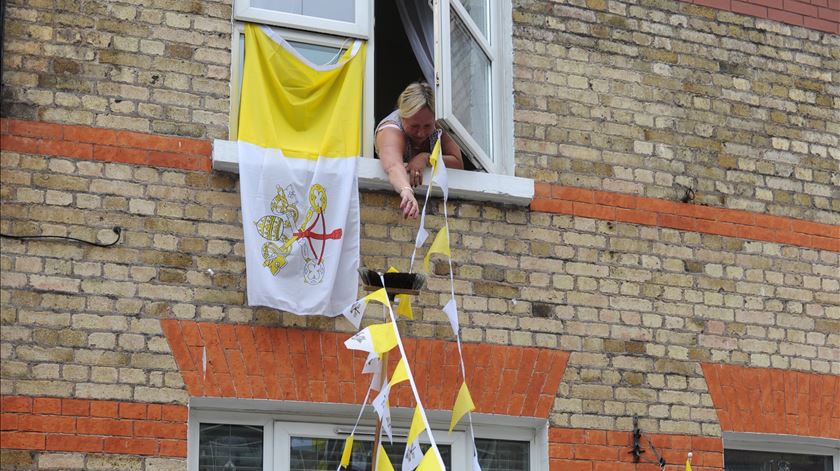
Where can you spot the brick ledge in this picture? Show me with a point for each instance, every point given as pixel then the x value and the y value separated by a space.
pixel 687 217
pixel 108 145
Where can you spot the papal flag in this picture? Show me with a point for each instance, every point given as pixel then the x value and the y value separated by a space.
pixel 299 143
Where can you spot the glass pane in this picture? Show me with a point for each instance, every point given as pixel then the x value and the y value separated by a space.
pixel 341 10
pixel 470 84
pixel 230 447
pixel 478 10
pixel 320 55
pixel 742 460
pixel 503 455
pixel 315 454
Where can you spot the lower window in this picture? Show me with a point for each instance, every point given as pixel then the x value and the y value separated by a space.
pixel 248 441
pixel 770 452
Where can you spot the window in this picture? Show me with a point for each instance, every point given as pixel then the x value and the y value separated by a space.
pixel 768 452
pixel 302 437
pixel 471 35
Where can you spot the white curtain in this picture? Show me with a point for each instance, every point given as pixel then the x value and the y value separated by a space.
pixel 418 20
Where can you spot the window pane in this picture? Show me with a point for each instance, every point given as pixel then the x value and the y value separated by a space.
pixel 229 447
pixel 341 10
pixel 316 54
pixel 470 84
pixel 742 460
pixel 478 11
pixel 502 455
pixel 315 454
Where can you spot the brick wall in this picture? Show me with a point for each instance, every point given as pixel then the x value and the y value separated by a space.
pixel 109 114
pixel 161 67
pixel 650 97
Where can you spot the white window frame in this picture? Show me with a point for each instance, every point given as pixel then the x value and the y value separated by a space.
pixel 282 419
pixel 501 186
pixel 776 443
pixel 501 157
pixel 243 11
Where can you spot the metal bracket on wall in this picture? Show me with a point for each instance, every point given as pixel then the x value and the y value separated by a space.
pixel 637 446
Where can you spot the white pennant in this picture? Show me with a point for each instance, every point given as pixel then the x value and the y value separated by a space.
pixel 355 312
pixel 476 466
pixel 413 455
pixel 451 311
pixel 440 177
pixel 422 233
pixel 380 405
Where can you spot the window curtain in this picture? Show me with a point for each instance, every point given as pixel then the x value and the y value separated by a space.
pixel 418 20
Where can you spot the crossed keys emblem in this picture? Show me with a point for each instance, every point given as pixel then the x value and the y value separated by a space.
pixel 311 236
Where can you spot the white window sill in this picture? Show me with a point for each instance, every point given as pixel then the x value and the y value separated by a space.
pixel 474 186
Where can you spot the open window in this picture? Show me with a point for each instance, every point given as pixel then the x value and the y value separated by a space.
pixel 474 102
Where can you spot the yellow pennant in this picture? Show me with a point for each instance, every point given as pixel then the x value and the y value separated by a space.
pixel 382 461
pixel 404 306
pixel 440 245
pixel 433 159
pixel 392 270
pixel 379 295
pixel 417 425
pixel 382 336
pixel 463 404
pixel 400 373
pixel 348 450
pixel 687 465
pixel 429 462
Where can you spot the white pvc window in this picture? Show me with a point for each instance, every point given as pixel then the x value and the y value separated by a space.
pixel 472 78
pixel 223 440
pixel 340 17
pixel 770 452
pixel 473 64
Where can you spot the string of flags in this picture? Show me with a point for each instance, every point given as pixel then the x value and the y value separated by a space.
pixel 376 339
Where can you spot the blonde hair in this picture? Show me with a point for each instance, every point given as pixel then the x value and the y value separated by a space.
pixel 414 98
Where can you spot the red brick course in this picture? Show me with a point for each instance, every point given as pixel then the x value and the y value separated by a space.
pixel 81 425
pixel 821 15
pixel 688 217
pixel 596 450
pixel 88 143
pixel 765 400
pixel 306 365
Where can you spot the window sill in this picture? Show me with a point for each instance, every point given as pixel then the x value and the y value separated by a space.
pixel 473 186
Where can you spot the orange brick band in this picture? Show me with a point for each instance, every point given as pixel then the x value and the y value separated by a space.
pixel 81 425
pixel 688 217
pixel 821 15
pixel 305 365
pixel 88 143
pixel 765 400
pixel 600 450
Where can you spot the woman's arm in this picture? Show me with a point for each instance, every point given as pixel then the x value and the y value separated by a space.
pixel 390 145
pixel 451 152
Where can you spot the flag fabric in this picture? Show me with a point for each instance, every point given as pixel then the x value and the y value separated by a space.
pixel 413 453
pixel 400 373
pixel 463 404
pixel 377 338
pixel 439 245
pixel 404 306
pixel 687 465
pixel 429 462
pixel 348 450
pixel 356 311
pixel 299 143
pixel 383 463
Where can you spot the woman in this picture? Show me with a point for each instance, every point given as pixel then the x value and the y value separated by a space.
pixel 404 141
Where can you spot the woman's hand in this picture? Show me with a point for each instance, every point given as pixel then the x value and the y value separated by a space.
pixel 408 203
pixel 415 168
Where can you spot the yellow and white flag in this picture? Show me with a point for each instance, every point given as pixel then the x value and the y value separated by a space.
pixel 377 338
pixel 299 143
pixel 413 453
